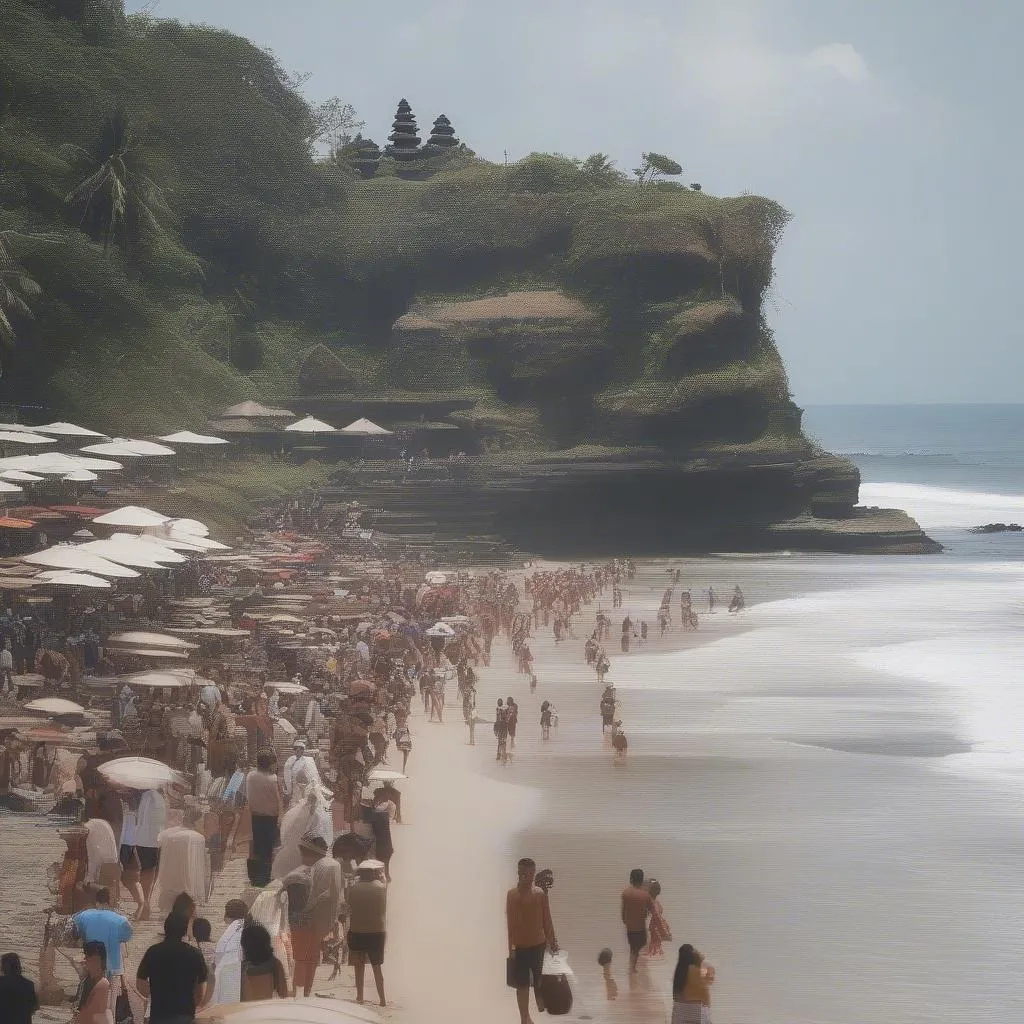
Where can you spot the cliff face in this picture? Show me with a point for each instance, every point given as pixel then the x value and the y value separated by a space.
pixel 598 346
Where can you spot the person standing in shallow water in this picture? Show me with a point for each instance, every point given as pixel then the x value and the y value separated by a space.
pixel 636 907
pixel 530 933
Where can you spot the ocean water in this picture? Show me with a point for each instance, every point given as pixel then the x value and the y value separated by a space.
pixel 830 787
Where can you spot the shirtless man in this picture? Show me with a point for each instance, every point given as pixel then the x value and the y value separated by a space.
pixel 530 932
pixel 636 907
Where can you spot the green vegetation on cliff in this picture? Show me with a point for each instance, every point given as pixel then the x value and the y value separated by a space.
pixel 175 244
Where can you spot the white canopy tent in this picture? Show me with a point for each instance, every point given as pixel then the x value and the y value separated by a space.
pixel 189 526
pixel 188 437
pixel 310 425
pixel 365 426
pixel 67 429
pixel 19 475
pixel 125 447
pixel 23 437
pixel 131 515
pixel 123 556
pixel 70 556
pixel 66 578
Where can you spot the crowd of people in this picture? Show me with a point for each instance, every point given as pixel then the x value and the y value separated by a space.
pixel 298 780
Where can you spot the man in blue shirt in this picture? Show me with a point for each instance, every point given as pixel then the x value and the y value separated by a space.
pixel 102 924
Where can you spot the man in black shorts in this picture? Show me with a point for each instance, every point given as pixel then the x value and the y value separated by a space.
pixel 530 933
pixel 367 925
pixel 636 906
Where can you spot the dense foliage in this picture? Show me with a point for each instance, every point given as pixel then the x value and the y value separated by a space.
pixel 170 232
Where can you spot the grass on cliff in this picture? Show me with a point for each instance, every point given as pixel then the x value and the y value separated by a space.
pixel 226 495
pixel 259 250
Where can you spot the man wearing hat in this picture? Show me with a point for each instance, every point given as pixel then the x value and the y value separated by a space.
pixel 302 914
pixel 367 925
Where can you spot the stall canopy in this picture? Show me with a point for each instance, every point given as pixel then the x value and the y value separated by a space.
pixel 6 487
pixel 81 476
pixel 20 476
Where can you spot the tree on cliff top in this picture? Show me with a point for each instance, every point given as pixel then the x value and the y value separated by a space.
pixel 118 199
pixel 17 290
pixel 654 165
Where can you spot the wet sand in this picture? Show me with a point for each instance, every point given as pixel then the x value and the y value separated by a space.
pixel 788 801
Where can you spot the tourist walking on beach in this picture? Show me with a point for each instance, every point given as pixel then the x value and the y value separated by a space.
pixel 367 926
pixel 530 933
pixel 93 1000
pixel 263 795
pixel 102 924
pixel 226 983
pixel 182 861
pixel 172 975
pixel 501 731
pixel 144 819
pixel 636 908
pixel 660 932
pixel 17 994
pixel 691 988
pixel 263 975
pixel 512 720
pixel 403 742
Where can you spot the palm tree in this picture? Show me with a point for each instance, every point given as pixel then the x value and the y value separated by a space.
pixel 17 290
pixel 119 198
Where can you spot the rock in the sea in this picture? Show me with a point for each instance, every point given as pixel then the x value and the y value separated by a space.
pixel 998 528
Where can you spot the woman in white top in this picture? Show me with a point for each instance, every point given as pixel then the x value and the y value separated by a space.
pixel 143 823
pixel 227 957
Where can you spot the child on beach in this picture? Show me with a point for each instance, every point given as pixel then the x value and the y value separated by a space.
pixel 545 720
pixel 658 929
pixel 604 959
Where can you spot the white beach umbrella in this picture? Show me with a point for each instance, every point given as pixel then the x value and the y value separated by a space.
pixel 365 426
pixel 131 515
pixel 20 475
pixel 123 446
pixel 169 542
pixel 55 463
pixel 138 638
pixel 6 487
pixel 140 773
pixel 66 578
pixel 24 437
pixel 67 429
pixel 188 437
pixel 310 425
pixel 69 556
pixel 205 543
pixel 120 555
pixel 129 542
pixel 441 629
pixel 55 706
pixel 81 476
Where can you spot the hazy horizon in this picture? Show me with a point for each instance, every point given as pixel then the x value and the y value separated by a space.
pixel 879 126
